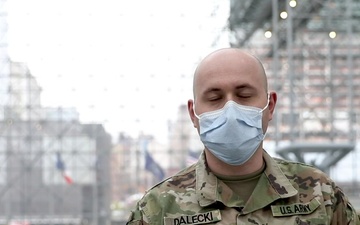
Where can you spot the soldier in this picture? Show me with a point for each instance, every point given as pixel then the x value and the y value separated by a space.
pixel 235 181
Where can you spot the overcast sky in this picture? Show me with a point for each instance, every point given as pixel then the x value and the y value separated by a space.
pixel 126 64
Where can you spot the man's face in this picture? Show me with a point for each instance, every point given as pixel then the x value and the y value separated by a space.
pixel 222 78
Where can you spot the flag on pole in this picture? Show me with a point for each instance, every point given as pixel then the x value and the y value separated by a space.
pixel 151 165
pixel 60 165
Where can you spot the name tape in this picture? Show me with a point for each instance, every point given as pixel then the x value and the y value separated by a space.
pixel 199 218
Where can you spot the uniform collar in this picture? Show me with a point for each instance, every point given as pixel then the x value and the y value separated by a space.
pixel 272 185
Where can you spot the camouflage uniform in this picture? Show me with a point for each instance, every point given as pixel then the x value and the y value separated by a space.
pixel 287 193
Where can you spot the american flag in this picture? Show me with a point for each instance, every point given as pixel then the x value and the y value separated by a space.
pixel 60 165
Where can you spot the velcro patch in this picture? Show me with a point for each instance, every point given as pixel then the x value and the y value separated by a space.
pixel 295 209
pixel 199 218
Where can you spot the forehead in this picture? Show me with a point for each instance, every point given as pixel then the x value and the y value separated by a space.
pixel 229 70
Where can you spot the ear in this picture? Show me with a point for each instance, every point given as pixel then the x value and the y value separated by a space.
pixel 190 107
pixel 272 103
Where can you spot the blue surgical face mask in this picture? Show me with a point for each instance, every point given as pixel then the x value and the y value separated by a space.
pixel 232 133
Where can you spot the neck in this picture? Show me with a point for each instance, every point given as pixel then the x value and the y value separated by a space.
pixel 219 167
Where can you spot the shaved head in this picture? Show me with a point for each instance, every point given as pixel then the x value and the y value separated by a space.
pixel 229 57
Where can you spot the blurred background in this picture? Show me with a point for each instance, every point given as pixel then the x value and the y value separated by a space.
pixel 93 96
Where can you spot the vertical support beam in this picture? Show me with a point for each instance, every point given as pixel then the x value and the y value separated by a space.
pixel 350 66
pixel 350 94
pixel 290 69
pixel 4 60
pixel 329 80
pixel 275 66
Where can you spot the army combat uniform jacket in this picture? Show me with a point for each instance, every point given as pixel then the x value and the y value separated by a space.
pixel 286 193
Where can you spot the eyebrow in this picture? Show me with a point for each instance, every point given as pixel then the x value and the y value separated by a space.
pixel 239 87
pixel 211 89
pixel 245 86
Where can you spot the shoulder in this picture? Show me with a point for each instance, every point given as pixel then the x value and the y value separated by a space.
pixel 309 180
pixel 311 183
pixel 181 182
pixel 301 170
pixel 170 194
pixel 182 179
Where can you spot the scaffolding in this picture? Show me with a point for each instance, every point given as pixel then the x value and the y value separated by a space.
pixel 54 170
pixel 312 57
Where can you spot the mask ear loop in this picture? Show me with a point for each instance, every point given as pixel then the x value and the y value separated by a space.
pixel 267 105
pixel 268 101
pixel 196 115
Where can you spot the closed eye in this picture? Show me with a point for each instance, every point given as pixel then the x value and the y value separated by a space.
pixel 214 98
pixel 244 96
